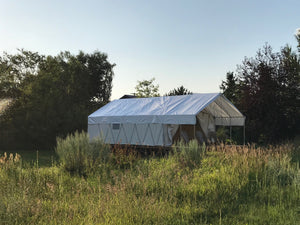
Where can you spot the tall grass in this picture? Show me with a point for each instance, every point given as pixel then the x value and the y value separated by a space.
pixel 194 185
pixel 189 154
pixel 78 154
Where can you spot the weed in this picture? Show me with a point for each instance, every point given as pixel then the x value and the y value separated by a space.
pixel 124 156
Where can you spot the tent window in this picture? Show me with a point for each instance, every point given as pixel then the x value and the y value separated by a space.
pixel 116 126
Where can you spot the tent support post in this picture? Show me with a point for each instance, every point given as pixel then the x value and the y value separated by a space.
pixel 230 131
pixel 244 134
pixel 194 132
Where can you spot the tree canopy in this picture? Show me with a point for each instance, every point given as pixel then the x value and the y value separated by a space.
pixel 146 88
pixel 52 95
pixel 179 91
pixel 266 89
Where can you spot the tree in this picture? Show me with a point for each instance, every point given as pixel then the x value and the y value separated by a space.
pixel 146 88
pixel 56 99
pixel 179 91
pixel 230 87
pixel 298 38
pixel 16 69
pixel 267 90
pixel 289 79
pixel 260 89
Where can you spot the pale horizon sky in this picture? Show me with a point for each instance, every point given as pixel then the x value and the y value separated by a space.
pixel 189 43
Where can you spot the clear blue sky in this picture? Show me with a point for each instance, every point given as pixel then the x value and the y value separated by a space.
pixel 190 43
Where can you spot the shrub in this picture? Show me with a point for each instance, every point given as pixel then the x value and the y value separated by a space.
pixel 80 155
pixel 189 154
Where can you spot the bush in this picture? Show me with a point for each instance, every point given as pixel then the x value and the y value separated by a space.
pixel 79 155
pixel 189 154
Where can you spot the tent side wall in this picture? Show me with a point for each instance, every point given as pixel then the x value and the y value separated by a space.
pixel 134 134
pixel 238 121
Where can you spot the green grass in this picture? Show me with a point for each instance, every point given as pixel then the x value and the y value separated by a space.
pixel 208 185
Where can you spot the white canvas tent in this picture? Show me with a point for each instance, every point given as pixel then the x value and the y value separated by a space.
pixel 159 121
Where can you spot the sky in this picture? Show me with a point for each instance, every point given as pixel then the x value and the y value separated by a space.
pixel 193 43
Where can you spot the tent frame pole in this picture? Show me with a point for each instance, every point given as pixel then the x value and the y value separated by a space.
pixel 244 134
pixel 194 132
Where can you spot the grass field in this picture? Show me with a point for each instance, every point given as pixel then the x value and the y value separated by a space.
pixel 193 185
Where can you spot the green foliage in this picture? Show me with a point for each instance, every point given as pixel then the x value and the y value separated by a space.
pixel 52 96
pixel 79 155
pixel 15 70
pixel 222 134
pixel 230 88
pixel 297 35
pixel 228 185
pixel 179 91
pixel 266 90
pixel 146 88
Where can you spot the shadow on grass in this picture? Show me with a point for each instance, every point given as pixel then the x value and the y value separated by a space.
pixel 44 158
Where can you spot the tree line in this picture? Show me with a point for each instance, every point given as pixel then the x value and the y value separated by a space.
pixel 147 88
pixel 52 95
pixel 266 89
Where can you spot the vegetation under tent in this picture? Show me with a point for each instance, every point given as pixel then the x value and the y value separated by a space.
pixel 161 121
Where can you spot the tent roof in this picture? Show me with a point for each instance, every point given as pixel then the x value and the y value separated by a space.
pixel 166 110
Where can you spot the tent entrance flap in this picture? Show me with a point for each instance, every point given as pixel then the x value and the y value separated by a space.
pixel 190 132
